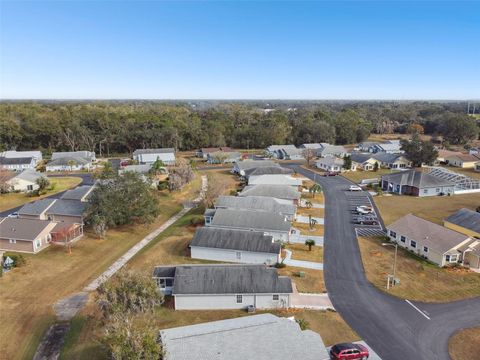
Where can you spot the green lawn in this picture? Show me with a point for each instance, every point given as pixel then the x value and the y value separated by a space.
pixel 357 176
pixel 11 200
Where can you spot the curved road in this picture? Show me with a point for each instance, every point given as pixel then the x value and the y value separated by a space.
pixel 394 328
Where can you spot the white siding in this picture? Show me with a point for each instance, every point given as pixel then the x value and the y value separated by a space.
pixel 21 185
pixel 219 302
pixel 246 257
pixel 167 158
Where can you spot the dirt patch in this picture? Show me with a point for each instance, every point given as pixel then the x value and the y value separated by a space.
pixel 52 343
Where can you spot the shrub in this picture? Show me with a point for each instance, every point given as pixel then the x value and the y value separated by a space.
pixel 162 185
pixel 280 265
pixel 304 325
pixel 18 259
pixel 197 220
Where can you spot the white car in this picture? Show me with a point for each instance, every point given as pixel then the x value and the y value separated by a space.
pixel 13 215
pixel 364 210
pixel 355 188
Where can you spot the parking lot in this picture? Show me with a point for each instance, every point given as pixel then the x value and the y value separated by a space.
pixel 361 198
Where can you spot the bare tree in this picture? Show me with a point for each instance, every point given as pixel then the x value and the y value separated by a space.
pixel 216 187
pixel 309 155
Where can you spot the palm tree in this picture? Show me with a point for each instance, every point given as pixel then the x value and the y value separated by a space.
pixel 310 243
pixel 308 204
pixel 315 188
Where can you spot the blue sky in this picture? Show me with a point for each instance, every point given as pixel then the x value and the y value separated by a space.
pixel 239 50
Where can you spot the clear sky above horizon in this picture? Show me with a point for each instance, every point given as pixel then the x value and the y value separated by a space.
pixel 239 50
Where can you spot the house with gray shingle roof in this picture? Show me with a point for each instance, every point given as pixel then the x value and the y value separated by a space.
pixel 80 193
pixel 240 167
pixel 69 163
pixel 268 170
pixel 392 161
pixel 275 179
pixel 332 151
pixel 25 181
pixel 259 337
pixel 240 246
pixel 36 209
pixel 17 163
pixel 283 192
pixel 149 156
pixel 416 183
pixel 215 287
pixel 257 203
pixel 25 235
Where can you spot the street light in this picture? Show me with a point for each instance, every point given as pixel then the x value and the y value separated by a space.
pixel 394 263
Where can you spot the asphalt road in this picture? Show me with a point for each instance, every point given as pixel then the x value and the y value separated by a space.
pixel 393 327
pixel 87 179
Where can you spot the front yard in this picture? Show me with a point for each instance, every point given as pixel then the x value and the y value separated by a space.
pixel 59 184
pixel 358 176
pixel 305 229
pixel 464 344
pixel 419 280
pixel 301 252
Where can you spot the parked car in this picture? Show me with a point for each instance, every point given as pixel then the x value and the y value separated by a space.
pixel 364 210
pixel 347 351
pixel 355 188
pixel 330 173
pixel 365 220
pixel 13 215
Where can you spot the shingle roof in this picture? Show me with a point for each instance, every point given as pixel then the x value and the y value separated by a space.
pixel 465 157
pixel 87 155
pixel 257 203
pixel 78 193
pixel 246 219
pixel 36 207
pixel 154 151
pixel 416 178
pixel 360 157
pixel 22 229
pixel 311 146
pixel 274 179
pixel 268 170
pixel 387 158
pixel 229 279
pixel 67 207
pixel 250 164
pixel 254 241
pixel 331 150
pixel 434 236
pixel 64 161
pixel 29 175
pixel 15 161
pixel 257 337
pixel 466 218
pixel 330 161
pixel 275 191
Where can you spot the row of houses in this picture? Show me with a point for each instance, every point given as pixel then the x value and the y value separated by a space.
pixel 364 162
pixel 60 161
pixel 39 223
pixel 456 242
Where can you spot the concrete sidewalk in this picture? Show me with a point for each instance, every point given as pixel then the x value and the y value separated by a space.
pixel 306 220
pixel 300 239
pixel 310 301
pixel 301 263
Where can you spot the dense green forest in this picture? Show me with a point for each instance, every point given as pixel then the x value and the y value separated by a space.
pixel 113 127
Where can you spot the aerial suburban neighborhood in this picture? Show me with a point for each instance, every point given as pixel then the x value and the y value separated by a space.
pixel 239 180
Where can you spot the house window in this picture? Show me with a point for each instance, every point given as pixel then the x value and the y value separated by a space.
pixel 451 258
pixel 437 190
pixel 402 238
pixel 393 234
pixel 275 297
pixel 239 299
pixel 37 243
pixel 238 255
pixel 168 282
pixel 425 249
pixel 29 187
pixel 413 244
pixel 208 219
pixel 425 191
pixel 12 241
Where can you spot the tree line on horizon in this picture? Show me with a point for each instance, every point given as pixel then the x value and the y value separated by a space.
pixel 110 128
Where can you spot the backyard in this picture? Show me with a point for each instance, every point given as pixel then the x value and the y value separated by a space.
pixel 58 184
pixel 419 279
pixel 464 344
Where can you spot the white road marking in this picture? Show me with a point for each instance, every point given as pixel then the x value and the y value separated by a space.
pixel 416 308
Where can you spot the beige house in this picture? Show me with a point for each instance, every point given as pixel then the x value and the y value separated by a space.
pixel 363 161
pixel 25 235
pixel 444 154
pixel 465 161
pixel 431 241
pixel 24 181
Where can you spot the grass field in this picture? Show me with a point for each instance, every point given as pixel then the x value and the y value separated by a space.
pixel 11 200
pixel 29 292
pixel 301 252
pixel 464 344
pixel 358 176
pixel 419 280
pixel 434 208
pixel 305 229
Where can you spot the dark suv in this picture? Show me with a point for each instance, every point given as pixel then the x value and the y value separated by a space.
pixel 365 220
pixel 347 351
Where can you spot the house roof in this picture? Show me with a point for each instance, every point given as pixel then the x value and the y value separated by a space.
pixel 466 218
pixel 389 146
pixel 436 237
pixel 312 146
pixel 445 153
pixel 64 161
pixel 254 241
pixel 387 158
pixel 360 158
pixel 268 170
pixel 275 191
pixel 67 207
pixel 274 179
pixel 329 161
pixel 247 219
pixel 88 155
pixel 331 150
pixel 257 203
pixel 229 279
pixel 415 178
pixel 141 168
pixel 259 337
pixel 464 157
pixel 216 149
pixel 251 164
pixel 29 175
pixel 22 229
pixel 79 193
pixel 281 147
pixel 36 207
pixel 21 154
pixel 154 151
pixel 15 160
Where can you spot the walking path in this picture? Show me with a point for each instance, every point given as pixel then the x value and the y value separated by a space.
pixel 301 263
pixel 67 308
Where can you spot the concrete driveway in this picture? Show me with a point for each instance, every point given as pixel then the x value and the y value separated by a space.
pixel 310 301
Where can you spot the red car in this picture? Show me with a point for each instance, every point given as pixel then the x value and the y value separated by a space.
pixel 347 351
pixel 330 173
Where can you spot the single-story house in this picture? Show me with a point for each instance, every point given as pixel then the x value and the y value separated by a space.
pixel 313 146
pixel 367 146
pixel 416 183
pixel 474 151
pixel 69 211
pixel 275 225
pixel 477 167
pixel 465 161
pixel 283 192
pixel 224 157
pixel 80 193
pixel 17 163
pixel 24 181
pixel 203 152
pixel 276 179
pixel 268 170
pixel 25 235
pixel 146 156
pixel 363 161
pixel 221 287
pixel 434 242
pixel 11 154
pixel 332 151
pixel 69 163
pixel 257 203
pixel 389 147
pixel 333 164
pixel 87 155
pixel 240 246
pixel 241 166
pixel 392 161
pixel 36 209
pixel 281 151
pixel 139 169
pixel 263 336
pixel 444 154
